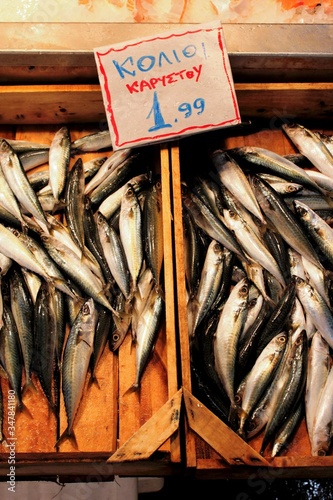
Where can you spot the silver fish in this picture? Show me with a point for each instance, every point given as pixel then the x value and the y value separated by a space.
pixel 252 245
pixel 92 142
pixel 284 221
pixel 276 164
pixel 114 254
pixel 317 309
pixel 320 231
pixel 77 355
pixel 77 270
pixel 311 146
pixel 14 248
pixel 147 329
pixel 261 375
pixel 317 373
pixel 130 227
pixel 18 181
pixel 322 425
pixel 235 180
pixel 23 313
pixel 209 285
pixel 59 157
pixel 229 328
pixel 112 162
pixel 289 387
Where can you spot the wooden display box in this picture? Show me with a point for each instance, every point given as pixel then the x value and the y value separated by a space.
pixel 213 450
pixel 116 432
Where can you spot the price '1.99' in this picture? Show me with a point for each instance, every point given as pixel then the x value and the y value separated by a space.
pixel 186 108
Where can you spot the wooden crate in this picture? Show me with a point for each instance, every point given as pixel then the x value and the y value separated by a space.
pixel 213 450
pixel 133 434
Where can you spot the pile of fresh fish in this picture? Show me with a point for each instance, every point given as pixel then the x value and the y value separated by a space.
pixel 81 250
pixel 259 261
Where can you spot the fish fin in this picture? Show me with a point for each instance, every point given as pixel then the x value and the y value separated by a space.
pixel 160 291
pixel 67 435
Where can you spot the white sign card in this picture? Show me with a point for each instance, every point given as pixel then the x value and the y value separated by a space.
pixel 166 86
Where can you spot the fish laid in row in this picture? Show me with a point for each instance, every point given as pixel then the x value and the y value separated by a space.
pixel 263 320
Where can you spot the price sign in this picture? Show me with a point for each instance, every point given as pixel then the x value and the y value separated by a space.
pixel 166 86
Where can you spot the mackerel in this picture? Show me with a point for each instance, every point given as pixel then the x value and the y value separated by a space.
pixel 284 220
pixel 77 356
pixel 59 158
pixel 19 183
pixel 228 331
pixel 235 180
pixel 311 146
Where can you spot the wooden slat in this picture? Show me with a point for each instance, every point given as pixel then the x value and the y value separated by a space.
pixel 151 435
pixel 33 104
pixel 219 436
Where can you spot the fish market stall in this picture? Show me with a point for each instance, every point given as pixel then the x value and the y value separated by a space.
pixel 53 84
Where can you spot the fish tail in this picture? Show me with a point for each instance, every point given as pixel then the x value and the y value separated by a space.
pixel 29 386
pixel 67 435
pixel 23 409
pixel 134 388
pixel 93 379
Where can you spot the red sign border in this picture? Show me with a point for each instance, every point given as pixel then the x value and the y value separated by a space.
pixel 236 119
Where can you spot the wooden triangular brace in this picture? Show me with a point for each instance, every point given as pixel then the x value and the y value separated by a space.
pixel 142 444
pixel 232 448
